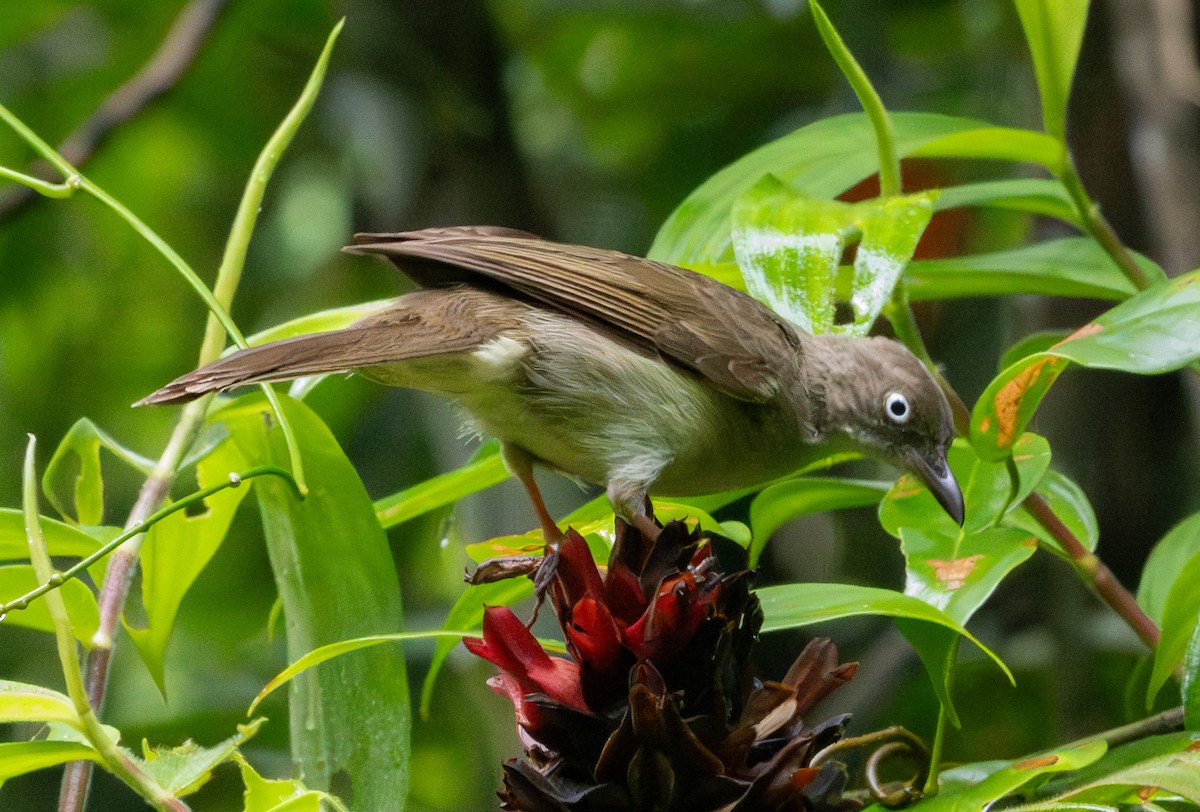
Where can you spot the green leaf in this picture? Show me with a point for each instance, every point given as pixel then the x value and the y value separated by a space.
pixel 1069 504
pixel 1169 762
pixel 176 551
pixel 1072 266
pixel 1191 682
pixel 1054 31
pixel 988 490
pixel 1180 616
pixel 486 470
pixel 820 160
pixel 957 574
pixel 337 581
pixel 336 318
pixel 1033 195
pixel 997 144
pixel 1155 331
pixel 791 606
pixel 18 758
pixel 75 470
pixel 465 616
pixel 789 245
pixel 184 769
pixel 937 648
pixel 1166 561
pixel 957 795
pixel 784 501
pixel 1034 342
pixel 18 579
pixel 266 795
pixel 61 539
pixel 21 702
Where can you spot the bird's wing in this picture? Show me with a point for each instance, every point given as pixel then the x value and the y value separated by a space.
pixel 690 319
pixel 419 325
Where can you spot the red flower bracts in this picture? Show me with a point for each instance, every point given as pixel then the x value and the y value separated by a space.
pixel 657 707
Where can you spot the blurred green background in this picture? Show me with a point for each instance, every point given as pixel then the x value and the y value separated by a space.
pixel 582 121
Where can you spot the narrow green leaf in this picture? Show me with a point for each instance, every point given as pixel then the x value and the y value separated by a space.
pixel 1170 763
pixel 1032 195
pixel 1054 31
pixel 61 540
pixel 336 578
pixel 18 758
pixel 791 606
pixel 1072 266
pixel 1030 344
pixel 336 318
pixel 1167 559
pixel 1156 331
pixel 958 795
pixel 997 144
pixel 1180 616
pixel 184 769
pixel 18 579
pixel 21 702
pixel 486 470
pixel 266 795
pixel 784 501
pixel 820 160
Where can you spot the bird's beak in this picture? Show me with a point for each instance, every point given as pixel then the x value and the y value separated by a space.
pixel 937 476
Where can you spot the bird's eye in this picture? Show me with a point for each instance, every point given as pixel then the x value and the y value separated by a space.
pixel 897 408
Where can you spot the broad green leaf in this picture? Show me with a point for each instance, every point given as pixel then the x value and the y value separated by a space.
pixel 784 501
pixel 1166 561
pixel 267 795
pixel 73 477
pixel 337 581
pixel 988 490
pixel 791 606
pixel 486 470
pixel 176 551
pixel 958 574
pixel 18 758
pixel 18 579
pixel 997 144
pixel 1032 195
pixel 820 160
pixel 1170 763
pixel 465 616
pixel 21 702
pixel 1072 266
pixel 1180 616
pixel 788 247
pixel 1069 504
pixel 1191 682
pixel 184 769
pixel 1054 31
pixel 937 648
pixel 1156 331
pixel 1034 342
pixel 958 796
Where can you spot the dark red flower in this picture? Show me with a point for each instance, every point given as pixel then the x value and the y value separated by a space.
pixel 657 707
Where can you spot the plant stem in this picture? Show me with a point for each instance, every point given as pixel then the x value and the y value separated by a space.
pixel 1099 227
pixel 117 761
pixel 1166 722
pixel 1094 572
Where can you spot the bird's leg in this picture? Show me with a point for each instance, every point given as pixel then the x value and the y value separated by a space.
pixel 518 461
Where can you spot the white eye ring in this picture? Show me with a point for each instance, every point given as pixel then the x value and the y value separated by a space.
pixel 897 409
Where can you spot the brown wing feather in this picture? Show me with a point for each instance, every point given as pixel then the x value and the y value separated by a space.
pixel 421 324
pixel 688 318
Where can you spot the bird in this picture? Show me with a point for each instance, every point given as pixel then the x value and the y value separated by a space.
pixel 636 375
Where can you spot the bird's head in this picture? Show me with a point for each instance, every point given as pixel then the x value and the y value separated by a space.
pixel 883 398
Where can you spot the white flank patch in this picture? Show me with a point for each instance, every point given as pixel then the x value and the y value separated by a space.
pixel 499 356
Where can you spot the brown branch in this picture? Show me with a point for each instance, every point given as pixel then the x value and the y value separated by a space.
pixel 1095 572
pixel 160 73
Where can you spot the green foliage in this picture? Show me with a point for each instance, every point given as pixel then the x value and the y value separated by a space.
pixel 770 223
